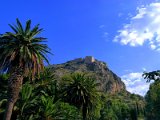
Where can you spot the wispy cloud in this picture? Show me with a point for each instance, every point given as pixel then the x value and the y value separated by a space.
pixel 144 27
pixel 120 14
pixel 101 26
pixel 135 83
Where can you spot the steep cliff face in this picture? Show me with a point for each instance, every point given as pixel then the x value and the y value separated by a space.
pixel 109 82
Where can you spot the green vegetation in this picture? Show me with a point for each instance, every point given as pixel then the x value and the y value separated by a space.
pixel 39 100
pixel 153 96
pixel 46 99
pixel 80 90
pixel 122 106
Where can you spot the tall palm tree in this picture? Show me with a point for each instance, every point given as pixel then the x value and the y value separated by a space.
pixel 22 53
pixel 80 91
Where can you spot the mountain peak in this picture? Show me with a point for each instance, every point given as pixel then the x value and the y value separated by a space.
pixel 89 59
pixel 109 81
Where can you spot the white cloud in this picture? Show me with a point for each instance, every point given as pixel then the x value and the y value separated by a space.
pixel 105 34
pixel 135 83
pixel 144 69
pixel 143 28
pixel 101 26
pixel 120 14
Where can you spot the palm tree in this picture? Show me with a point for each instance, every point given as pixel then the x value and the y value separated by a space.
pixel 3 96
pixel 154 75
pixel 22 53
pixel 80 91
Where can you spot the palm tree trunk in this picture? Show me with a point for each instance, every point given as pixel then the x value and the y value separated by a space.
pixel 14 86
pixel 84 112
pixel 9 110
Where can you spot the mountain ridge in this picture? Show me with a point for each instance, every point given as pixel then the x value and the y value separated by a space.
pixel 109 81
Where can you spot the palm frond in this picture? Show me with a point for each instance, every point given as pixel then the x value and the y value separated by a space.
pixel 23 48
pixel 19 26
pixel 28 26
pixel 13 28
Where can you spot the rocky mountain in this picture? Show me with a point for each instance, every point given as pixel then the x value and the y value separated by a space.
pixel 109 81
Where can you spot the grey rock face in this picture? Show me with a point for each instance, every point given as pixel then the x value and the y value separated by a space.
pixel 109 81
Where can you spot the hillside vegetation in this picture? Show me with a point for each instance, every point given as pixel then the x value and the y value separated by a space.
pixel 74 91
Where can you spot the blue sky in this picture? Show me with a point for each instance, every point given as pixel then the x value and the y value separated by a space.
pixel 123 33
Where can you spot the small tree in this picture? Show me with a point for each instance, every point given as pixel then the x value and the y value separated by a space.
pixel 80 90
pixel 153 96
